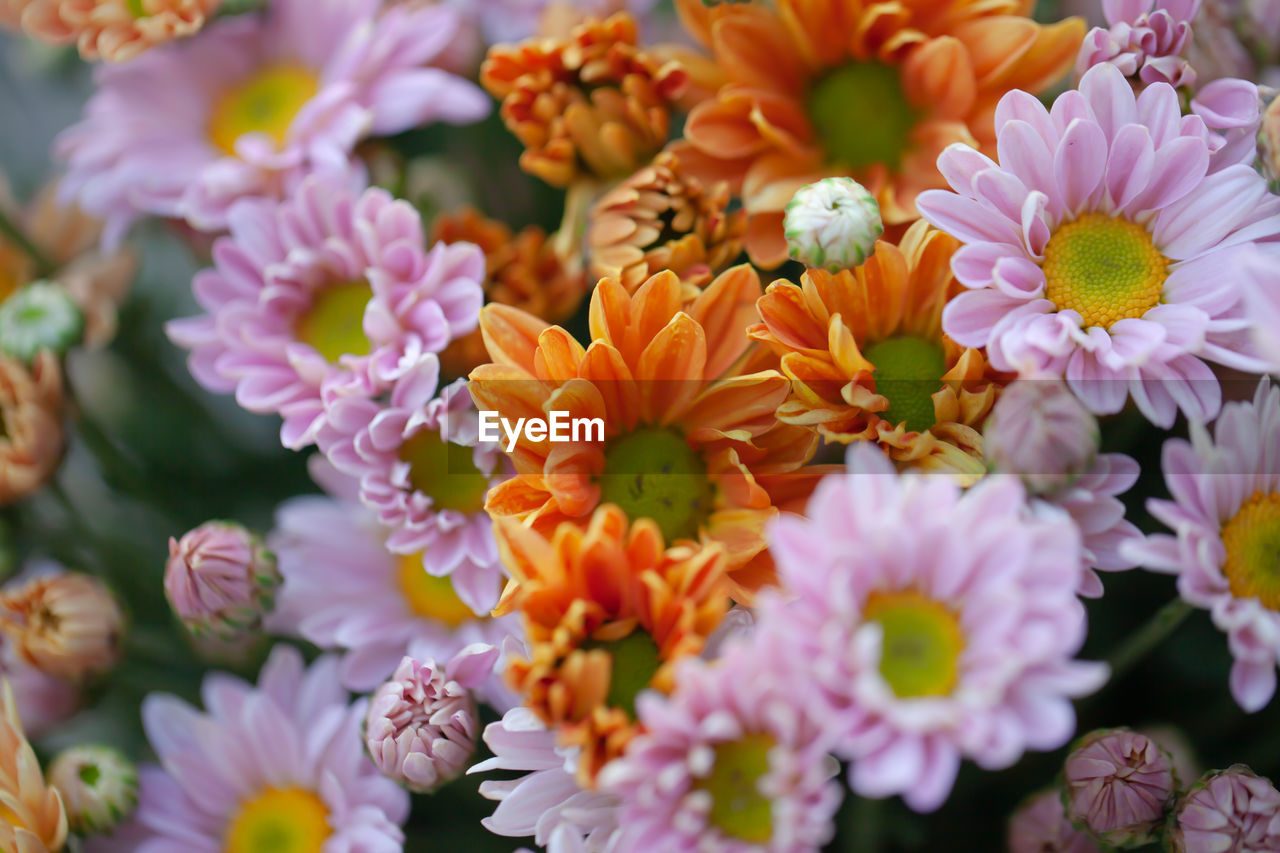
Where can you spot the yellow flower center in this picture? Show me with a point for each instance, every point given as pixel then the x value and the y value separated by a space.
pixel 908 372
pixel 922 643
pixel 1252 542
pixel 738 809
pixel 431 597
pixel 445 472
pixel 265 103
pixel 634 661
pixel 279 820
pixel 862 115
pixel 654 473
pixel 334 324
pixel 137 8
pixel 1105 268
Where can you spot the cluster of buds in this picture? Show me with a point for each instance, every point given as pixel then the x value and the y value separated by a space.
pixel 220 580
pixel 593 105
pixel 422 725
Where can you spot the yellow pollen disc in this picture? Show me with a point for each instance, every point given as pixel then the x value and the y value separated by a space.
pixel 265 103
pixel 738 808
pixel 279 820
pixel 1105 268
pixel 1252 542
pixel 444 471
pixel 922 643
pixel 334 325
pixel 431 597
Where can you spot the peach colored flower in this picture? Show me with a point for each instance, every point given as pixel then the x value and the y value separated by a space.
pixel 31 413
pixel 114 30
pixel 690 436
pixel 868 361
pixel 872 89
pixel 32 819
pixel 64 623
pixel 594 104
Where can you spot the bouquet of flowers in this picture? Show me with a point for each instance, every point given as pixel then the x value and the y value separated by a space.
pixel 709 425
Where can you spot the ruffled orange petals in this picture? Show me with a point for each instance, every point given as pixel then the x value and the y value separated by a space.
pixel 592 597
pixel 114 30
pixel 953 60
pixel 32 816
pixel 824 329
pixel 593 105
pixel 31 443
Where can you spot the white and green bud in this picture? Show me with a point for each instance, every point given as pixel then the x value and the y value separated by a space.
pixel 98 785
pixel 40 316
pixel 833 224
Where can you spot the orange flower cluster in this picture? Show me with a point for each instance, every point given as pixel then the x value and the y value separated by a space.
pixel 521 270
pixel 607 612
pixel 114 30
pixel 592 105
pixel 868 361
pixel 872 89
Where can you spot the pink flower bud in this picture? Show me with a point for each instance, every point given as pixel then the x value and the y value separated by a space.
pixel 1040 432
pixel 1040 826
pixel 1232 809
pixel 220 580
pixel 422 724
pixel 1119 786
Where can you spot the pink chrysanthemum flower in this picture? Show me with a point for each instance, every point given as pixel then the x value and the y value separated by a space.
pixel 733 761
pixel 1103 249
pixel 934 624
pixel 282 760
pixel 1225 515
pixel 330 288
pixel 547 802
pixel 1145 40
pixel 255 103
pixel 344 591
pixel 424 471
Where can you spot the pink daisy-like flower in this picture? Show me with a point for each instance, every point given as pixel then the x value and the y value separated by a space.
pixel 732 761
pixel 1103 248
pixel 255 103
pixel 1145 40
pixel 344 591
pixel 423 470
pixel 935 624
pixel 334 288
pixel 546 802
pixel 282 760
pixel 1225 515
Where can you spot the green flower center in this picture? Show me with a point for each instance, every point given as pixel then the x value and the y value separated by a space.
pixel 334 325
pixel 908 372
pixel 738 809
pixel 635 661
pixel 445 472
pixel 922 643
pixel 136 8
pixel 279 820
pixel 653 473
pixel 862 116
pixel 431 597
pixel 265 103
pixel 1252 542
pixel 1105 268
pixel 89 774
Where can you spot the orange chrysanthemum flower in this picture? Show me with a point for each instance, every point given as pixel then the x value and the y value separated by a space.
pixel 114 30
pixel 662 218
pixel 32 817
pixel 868 361
pixel 872 89
pixel 690 437
pixel 522 270
pixel 607 610
pixel 591 105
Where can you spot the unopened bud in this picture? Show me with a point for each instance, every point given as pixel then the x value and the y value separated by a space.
pixel 1232 809
pixel 832 224
pixel 1119 787
pixel 40 316
pixel 1040 432
pixel 99 788
pixel 65 624
pixel 220 580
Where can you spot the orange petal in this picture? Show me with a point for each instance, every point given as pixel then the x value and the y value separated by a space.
pixel 938 76
pixel 671 370
pixel 510 335
pixel 725 309
pixel 755 49
pixel 558 355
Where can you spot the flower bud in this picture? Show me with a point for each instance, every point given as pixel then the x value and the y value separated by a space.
pixel 1040 826
pixel 99 788
pixel 832 224
pixel 31 412
pixel 422 724
pixel 1232 809
pixel 40 316
pixel 1040 432
pixel 65 624
pixel 220 580
pixel 1119 787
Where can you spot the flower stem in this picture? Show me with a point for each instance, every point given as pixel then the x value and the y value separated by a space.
pixel 1144 640
pixel 10 230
